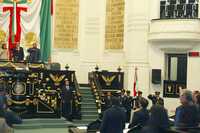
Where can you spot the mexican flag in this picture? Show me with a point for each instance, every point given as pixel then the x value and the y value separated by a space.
pixel 20 17
pixel 135 83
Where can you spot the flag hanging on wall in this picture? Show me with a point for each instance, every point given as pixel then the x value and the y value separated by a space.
pixel 135 84
pixel 19 17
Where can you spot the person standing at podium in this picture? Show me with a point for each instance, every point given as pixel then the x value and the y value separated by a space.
pixel 4 52
pixel 34 54
pixel 18 53
pixel 66 99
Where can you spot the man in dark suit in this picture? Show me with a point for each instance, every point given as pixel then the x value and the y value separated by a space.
pixel 18 53
pixel 156 99
pixel 114 118
pixel 187 113
pixel 141 114
pixel 34 54
pixel 66 98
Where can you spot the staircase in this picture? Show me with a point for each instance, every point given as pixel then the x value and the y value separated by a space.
pixel 88 108
pixel 42 125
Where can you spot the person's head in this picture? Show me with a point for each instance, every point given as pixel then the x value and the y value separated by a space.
pixel 159 116
pixel 157 93
pixel 185 97
pixel 143 102
pixel 140 93
pixel 194 96
pixel 34 45
pixel 108 93
pixel 128 93
pixel 115 100
pixel 197 99
pixel 4 46
pixel 123 91
pixel 66 81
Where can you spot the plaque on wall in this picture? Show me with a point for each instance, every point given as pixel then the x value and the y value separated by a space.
pixel 172 88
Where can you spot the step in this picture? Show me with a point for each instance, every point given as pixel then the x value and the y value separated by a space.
pixel 89 112
pixel 85 121
pixel 42 130
pixel 86 116
pixel 88 103
pixel 88 100
pixel 84 88
pixel 86 92
pixel 42 123
pixel 88 108
pixel 87 95
pixel 47 120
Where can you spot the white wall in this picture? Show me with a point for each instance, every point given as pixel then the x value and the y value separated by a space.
pixel 138 51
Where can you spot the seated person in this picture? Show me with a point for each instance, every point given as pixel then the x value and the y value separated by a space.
pixel 4 52
pixel 158 120
pixel 141 115
pixel 18 53
pixel 114 118
pixel 34 54
pixel 10 117
pixel 186 114
pixel 4 128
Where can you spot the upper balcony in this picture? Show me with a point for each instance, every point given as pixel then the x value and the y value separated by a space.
pixel 182 31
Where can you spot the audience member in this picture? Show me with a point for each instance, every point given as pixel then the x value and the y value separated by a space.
pixel 103 104
pixel 123 97
pixel 128 105
pixel 187 113
pixel 158 120
pixel 197 104
pixel 114 118
pixel 10 116
pixel 4 128
pixel 18 53
pixel 194 94
pixel 136 103
pixel 141 115
pixel 108 102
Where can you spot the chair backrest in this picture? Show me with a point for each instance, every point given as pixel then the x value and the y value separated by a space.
pixel 55 66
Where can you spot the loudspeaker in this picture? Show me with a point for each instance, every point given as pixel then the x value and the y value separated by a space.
pixel 156 76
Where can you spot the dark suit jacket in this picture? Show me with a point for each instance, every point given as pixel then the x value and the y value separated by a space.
pixel 66 94
pixel 12 118
pixel 152 129
pixel 18 55
pixel 34 55
pixel 140 117
pixel 114 120
pixel 186 116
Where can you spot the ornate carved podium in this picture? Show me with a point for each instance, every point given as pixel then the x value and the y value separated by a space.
pixel 33 90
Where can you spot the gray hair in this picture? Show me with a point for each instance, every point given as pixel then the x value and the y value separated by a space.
pixel 188 94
